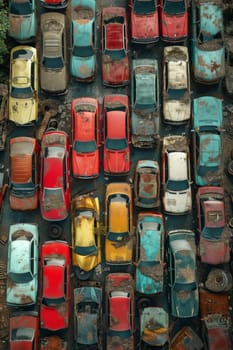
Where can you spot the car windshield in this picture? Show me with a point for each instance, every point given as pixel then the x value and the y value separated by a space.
pixel 187 287
pixel 116 144
pixel 85 251
pixel 117 237
pixel 49 301
pixel 115 54
pixel 26 92
pixel 83 51
pixel 177 185
pixel 85 146
pixel 176 94
pixel 25 277
pixel 144 7
pixel 212 233
pixel 53 62
pixel 22 8
pixel 174 7
pixel 23 190
pixel 205 169
pixel 22 333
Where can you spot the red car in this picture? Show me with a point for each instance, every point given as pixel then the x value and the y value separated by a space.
pixel 174 20
pixel 24 330
pixel 85 137
pixel 119 288
pixel 55 176
pixel 144 21
pixel 116 134
pixel 115 59
pixel 54 4
pixel 55 285
pixel 211 225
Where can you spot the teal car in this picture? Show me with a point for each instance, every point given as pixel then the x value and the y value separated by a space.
pixel 207 141
pixel 149 253
pixel 22 20
pixel 83 40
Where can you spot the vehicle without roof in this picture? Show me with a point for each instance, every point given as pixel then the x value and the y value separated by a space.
pixel 83 40
pixel 144 20
pixel 176 85
pixel 53 65
pixel 145 103
pixel 176 175
pixel 208 52
pixel 23 188
pixel 114 42
pixel 22 267
pixel 22 20
pixel 85 152
pixel 23 87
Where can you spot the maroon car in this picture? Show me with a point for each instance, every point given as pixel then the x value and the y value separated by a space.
pixel 115 59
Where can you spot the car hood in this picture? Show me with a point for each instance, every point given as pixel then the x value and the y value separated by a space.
pixel 53 211
pixel 150 281
pixel 26 203
pixel 214 252
pixel 177 202
pixel 185 303
pixel 85 165
pixel 177 110
pixel 144 27
pixel 145 123
pixel 118 252
pixel 115 72
pixel 82 67
pixel 22 111
pixel 21 293
pixel 22 27
pixel 175 27
pixel 54 81
pixel 87 263
pixel 54 318
pixel 116 162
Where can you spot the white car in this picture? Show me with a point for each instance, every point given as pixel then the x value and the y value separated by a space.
pixel 176 176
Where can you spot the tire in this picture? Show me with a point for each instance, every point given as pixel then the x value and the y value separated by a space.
pixel 143 302
pixel 83 275
pixel 55 231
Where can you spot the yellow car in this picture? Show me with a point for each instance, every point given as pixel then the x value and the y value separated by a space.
pixel 23 88
pixel 118 223
pixel 86 250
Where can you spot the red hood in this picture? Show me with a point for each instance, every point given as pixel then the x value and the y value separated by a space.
pixel 116 162
pixel 53 318
pixel 115 72
pixel 214 252
pixel 85 165
pixel 144 27
pixel 175 27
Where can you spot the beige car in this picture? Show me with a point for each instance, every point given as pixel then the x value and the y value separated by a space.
pixel 53 65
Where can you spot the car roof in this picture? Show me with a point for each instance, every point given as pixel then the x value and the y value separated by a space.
pixel 113 118
pixel 214 213
pixel 53 274
pixel 119 312
pixel 210 149
pixel 118 208
pixel 20 255
pixel 114 36
pixel 177 166
pixel 53 166
pixel 177 75
pixel 84 126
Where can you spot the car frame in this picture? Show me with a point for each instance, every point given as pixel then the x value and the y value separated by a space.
pixel 22 266
pixel 147 184
pixel 83 40
pixel 145 103
pixel 23 86
pixel 144 21
pixel 54 176
pixel 119 233
pixel 183 285
pixel 24 173
pixel 85 153
pixel 114 45
pixel 53 57
pixel 55 285
pixel 176 85
pixel 176 175
pixel 116 141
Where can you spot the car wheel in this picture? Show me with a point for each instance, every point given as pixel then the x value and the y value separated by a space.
pixel 55 231
pixel 218 281
pixel 143 302
pixel 83 275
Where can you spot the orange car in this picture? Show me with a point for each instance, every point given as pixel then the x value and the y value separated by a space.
pixel 118 222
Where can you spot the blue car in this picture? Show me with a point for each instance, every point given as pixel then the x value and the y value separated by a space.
pixel 150 253
pixel 22 20
pixel 83 40
pixel 207 141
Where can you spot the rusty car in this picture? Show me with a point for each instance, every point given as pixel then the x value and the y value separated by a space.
pixel 24 173
pixel 182 267
pixel 53 342
pixel 119 233
pixel 174 20
pixel 53 58
pixel 114 44
pixel 154 327
pixel 145 103
pixel 22 266
pixel 86 247
pixel 83 40
pixel 147 184
pixel 207 44
pixel 23 86
pixel 119 311
pixel 88 317
pixel 24 330
pixel 149 261
pixel 186 339
pixel 144 21
pixel 176 85
pixel 228 79
pixel 85 153
pixel 54 4
pixel 54 285
pixel 54 193
pixel 116 140
pixel 22 20
pixel 207 141
pixel 176 175
pixel 214 236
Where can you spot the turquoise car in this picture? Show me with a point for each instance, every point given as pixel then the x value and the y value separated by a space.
pixel 83 40
pixel 22 20
pixel 207 141
pixel 150 253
